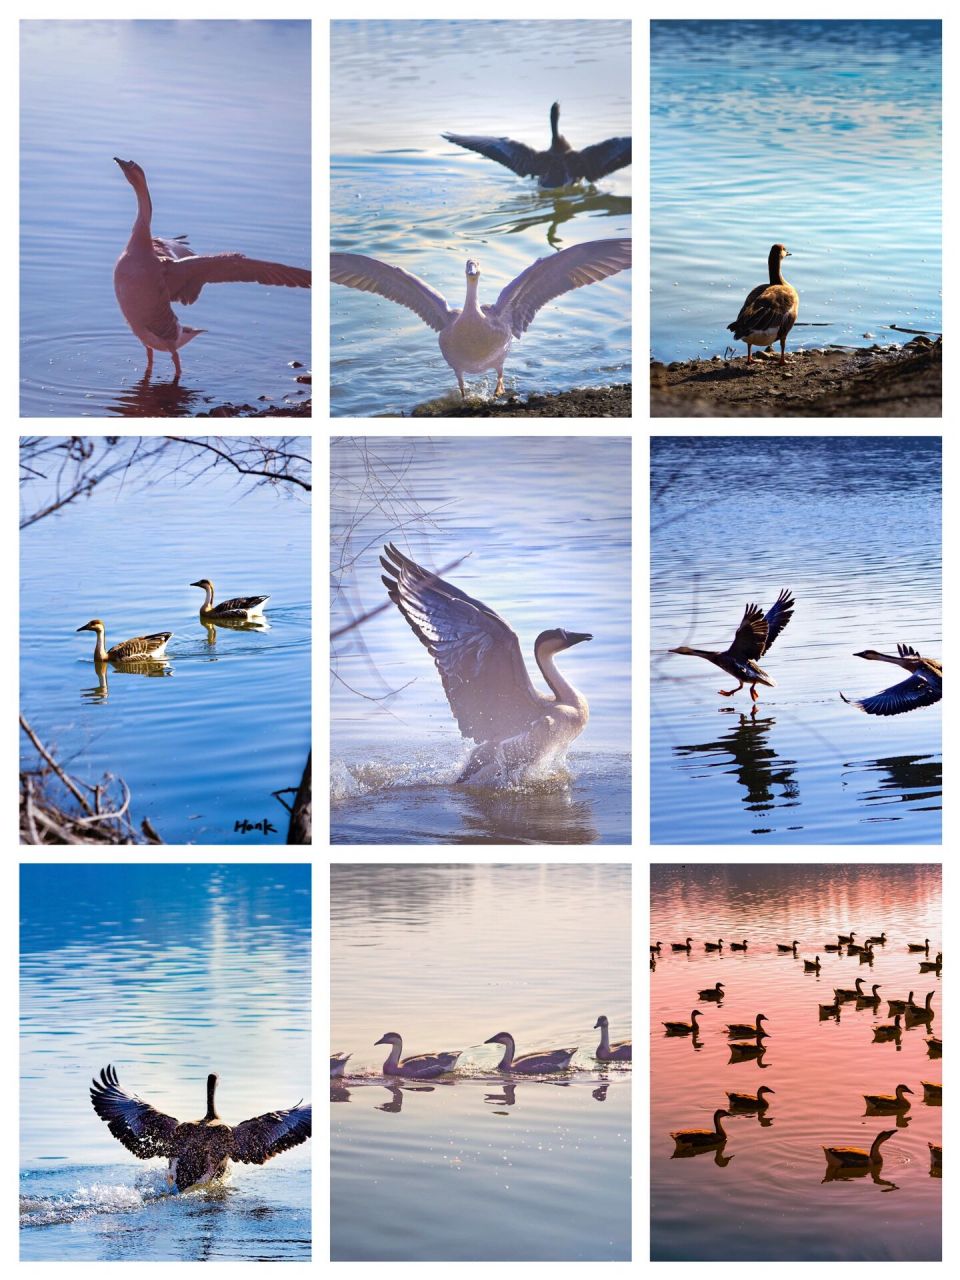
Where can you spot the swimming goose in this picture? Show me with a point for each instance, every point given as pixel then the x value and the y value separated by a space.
pixel 885 1102
pixel 713 946
pixel 899 1006
pixel 739 946
pixel 855 1158
pixel 656 947
pixel 531 1063
pixel 936 1156
pixel 703 1139
pixel 913 946
pixel 476 338
pixel 682 946
pixel 770 310
pixel 338 1062
pixel 877 941
pixel 198 1151
pixel 920 1012
pixel 863 954
pixel 755 634
pixel 750 1101
pixel 747 1030
pixel 684 1028
pixel 854 948
pixel 811 966
pixel 846 939
pixel 422 1066
pixel 786 950
pixel 830 1010
pixel 872 998
pixel 923 688
pixel 932 1092
pixel 231 610
pixel 848 993
pixel 748 1052
pixel 932 966
pixel 711 993
pixel 833 946
pixel 559 165
pixel 484 676
pixel 621 1051
pixel 889 1031
pixel 138 649
pixel 151 273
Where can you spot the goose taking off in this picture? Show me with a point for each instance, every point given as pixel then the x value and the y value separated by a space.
pixel 484 676
pixel 423 1066
pixel 530 1063
pixel 755 634
pixel 770 310
pixel 922 689
pixel 139 649
pixel 151 274
pixel 559 165
pixel 231 610
pixel 198 1151
pixel 621 1051
pixel 477 337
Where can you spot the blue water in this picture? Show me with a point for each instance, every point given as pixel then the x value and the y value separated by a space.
pixel 218 116
pixel 821 135
pixel 204 741
pixel 400 193
pixel 169 973
pixel 852 526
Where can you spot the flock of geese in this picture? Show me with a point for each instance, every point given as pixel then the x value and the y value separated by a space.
pixel 757 632
pixel 426 1066
pixel 905 1013
pixel 240 610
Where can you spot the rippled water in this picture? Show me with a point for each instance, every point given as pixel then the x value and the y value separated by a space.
pixel 766 1197
pixel 191 738
pixel 475 1166
pixel 399 192
pixel 808 133
pixel 852 526
pixel 170 973
pixel 542 531
pixel 218 115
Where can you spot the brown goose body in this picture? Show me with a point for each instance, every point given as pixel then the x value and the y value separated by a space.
pixel 770 310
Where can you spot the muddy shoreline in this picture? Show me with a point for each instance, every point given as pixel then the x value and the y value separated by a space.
pixel 581 402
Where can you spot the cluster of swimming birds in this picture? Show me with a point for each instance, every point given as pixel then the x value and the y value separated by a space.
pixel 852 1159
pixel 426 1066
pixel 198 1152
pixel 757 632
pixel 476 337
pixel 239 611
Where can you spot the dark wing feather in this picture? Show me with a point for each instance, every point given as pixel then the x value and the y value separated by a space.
pixel 141 1128
pixel 600 159
pixel 185 277
pixel 751 638
pixel 778 616
pixel 257 1141
pixel 909 694
pixel 515 155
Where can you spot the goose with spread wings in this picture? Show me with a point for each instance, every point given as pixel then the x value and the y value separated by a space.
pixel 198 1151
pixel 516 728
pixel 923 688
pixel 755 634
pixel 476 337
pixel 151 273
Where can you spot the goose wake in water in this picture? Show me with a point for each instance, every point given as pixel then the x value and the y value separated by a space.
pixel 516 728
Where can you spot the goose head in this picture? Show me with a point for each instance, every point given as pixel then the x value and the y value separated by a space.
pixel 391 1037
pixel 93 625
pixel 132 172
pixel 473 269
pixel 203 583
pixel 602 1021
pixel 504 1038
pixel 555 641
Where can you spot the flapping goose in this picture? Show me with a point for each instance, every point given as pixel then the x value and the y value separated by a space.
pixel 423 1066
pixel 887 1103
pixel 755 634
pixel 338 1063
pixel 750 1101
pixel 621 1051
pixel 747 1030
pixel 238 608
pixel 703 1139
pixel 198 1151
pixel 140 648
pixel 151 273
pixel 531 1063
pixel 922 689
pixel 476 338
pixel 855 1157
pixel 484 675
pixel 770 310
pixel 559 165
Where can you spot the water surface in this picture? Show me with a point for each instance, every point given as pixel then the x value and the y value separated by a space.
pixel 218 116
pixel 845 118
pixel 765 1197
pixel 478 1166
pixel 544 524
pixel 169 973
pixel 400 193
pixel 852 526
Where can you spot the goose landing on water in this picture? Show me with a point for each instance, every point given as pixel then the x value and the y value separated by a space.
pixel 755 634
pixel 139 649
pixel 198 1151
pixel 240 607
pixel 476 338
pixel 922 689
pixel 478 656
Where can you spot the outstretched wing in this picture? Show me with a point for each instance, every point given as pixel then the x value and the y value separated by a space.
pixel 548 277
pixel 913 692
pixel 141 1128
pixel 185 277
pixel 370 275
pixel 476 653
pixel 751 638
pixel 778 616
pixel 515 155
pixel 259 1140
pixel 600 159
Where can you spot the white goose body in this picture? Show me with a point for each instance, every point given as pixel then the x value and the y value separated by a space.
pixel 529 1063
pixel 622 1051
pixel 423 1066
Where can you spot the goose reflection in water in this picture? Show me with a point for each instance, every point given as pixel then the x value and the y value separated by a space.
pixel 544 813
pixel 768 781
pixel 143 667
pixel 914 779
pixel 339 1092
pixel 232 624
pixel 533 210
pixel 749 1053
pixel 872 1172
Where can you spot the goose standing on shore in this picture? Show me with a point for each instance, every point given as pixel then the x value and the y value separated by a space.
pixel 139 649
pixel 560 165
pixel 530 1063
pixel 922 689
pixel 478 657
pixel 770 310
pixel 475 338
pixel 621 1051
pixel 151 274
pixel 423 1066
pixel 755 634
pixel 198 1151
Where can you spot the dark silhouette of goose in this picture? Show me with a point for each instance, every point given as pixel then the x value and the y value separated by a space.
pixel 560 165
pixel 198 1151
pixel 755 634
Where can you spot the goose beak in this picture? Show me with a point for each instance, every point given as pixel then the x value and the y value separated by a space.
pixel 473 269
pixel 577 637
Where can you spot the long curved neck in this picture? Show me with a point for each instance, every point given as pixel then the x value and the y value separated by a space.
pixel 604 1038
pixel 393 1057
pixel 470 304
pixel 562 690
pixel 100 648
pixel 774 264
pixel 509 1049
pixel 207 597
pixel 141 227
pixel 718 1124
pixel 211 1090
pixel 554 123
pixel 875 1148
